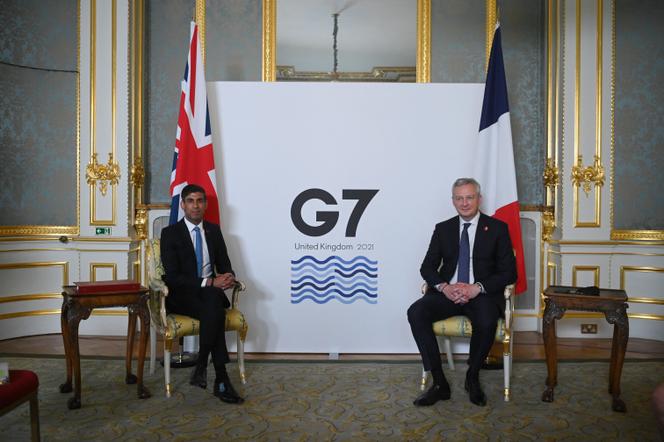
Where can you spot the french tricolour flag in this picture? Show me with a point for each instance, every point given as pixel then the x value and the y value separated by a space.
pixel 495 166
pixel 193 160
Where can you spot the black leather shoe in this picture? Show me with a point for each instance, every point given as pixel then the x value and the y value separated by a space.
pixel 432 395
pixel 199 377
pixel 224 390
pixel 475 392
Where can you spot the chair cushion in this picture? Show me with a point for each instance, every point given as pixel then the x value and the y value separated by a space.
pixel 181 325
pixel 460 326
pixel 21 383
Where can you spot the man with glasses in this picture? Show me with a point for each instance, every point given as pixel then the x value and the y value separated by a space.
pixel 467 266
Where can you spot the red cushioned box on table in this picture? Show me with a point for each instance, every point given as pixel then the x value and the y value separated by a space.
pixel 118 285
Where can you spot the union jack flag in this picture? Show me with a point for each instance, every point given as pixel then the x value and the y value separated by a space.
pixel 193 160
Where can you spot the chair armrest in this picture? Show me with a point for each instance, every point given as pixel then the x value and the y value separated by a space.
pixel 158 285
pixel 509 306
pixel 238 287
pixel 157 304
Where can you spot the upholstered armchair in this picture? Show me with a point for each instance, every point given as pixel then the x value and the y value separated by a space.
pixel 173 326
pixel 460 326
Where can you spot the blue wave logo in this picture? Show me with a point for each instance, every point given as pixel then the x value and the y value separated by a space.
pixel 321 281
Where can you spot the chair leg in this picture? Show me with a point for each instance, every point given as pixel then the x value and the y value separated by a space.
pixel 448 351
pixel 424 380
pixel 167 365
pixel 153 348
pixel 507 368
pixel 240 358
pixel 511 352
pixel 507 365
pixel 34 418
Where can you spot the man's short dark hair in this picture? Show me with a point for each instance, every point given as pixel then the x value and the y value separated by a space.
pixel 192 188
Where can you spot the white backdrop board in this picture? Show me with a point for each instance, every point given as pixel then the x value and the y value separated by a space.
pixel 387 152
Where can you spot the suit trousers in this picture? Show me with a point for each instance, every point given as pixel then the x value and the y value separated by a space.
pixel 208 305
pixel 483 312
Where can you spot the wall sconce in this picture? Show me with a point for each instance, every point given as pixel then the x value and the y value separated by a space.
pixel 104 174
pixel 587 175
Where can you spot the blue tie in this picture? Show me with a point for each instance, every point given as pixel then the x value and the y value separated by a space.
pixel 199 250
pixel 464 256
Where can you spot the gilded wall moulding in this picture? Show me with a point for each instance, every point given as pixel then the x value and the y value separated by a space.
pixel 102 174
pixel 638 235
pixel 141 223
pixel 377 74
pixel 551 174
pixel 548 224
pixel 137 174
pixel 587 175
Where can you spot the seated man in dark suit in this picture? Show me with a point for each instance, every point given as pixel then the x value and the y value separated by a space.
pixel 197 271
pixel 467 266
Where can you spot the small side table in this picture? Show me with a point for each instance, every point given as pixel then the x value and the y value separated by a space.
pixel 76 307
pixel 613 304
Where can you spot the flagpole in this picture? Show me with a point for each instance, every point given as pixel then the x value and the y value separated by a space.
pixel 491 19
pixel 199 18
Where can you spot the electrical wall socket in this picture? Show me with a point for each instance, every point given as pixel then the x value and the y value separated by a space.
pixel 589 329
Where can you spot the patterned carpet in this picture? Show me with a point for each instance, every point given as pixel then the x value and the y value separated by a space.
pixel 339 401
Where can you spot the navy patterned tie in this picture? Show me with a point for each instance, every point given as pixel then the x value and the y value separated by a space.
pixel 464 256
pixel 199 250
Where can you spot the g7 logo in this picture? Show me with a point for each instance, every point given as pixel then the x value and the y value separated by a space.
pixel 329 218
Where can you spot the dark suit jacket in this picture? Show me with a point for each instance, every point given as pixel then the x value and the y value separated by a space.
pixel 494 265
pixel 179 258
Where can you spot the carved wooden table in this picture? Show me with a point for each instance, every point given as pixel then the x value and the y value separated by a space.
pixel 76 307
pixel 613 304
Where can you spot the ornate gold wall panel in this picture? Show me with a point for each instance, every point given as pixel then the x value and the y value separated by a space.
pixel 645 316
pixel 594 269
pixel 624 270
pixel 269 40
pixel 54 231
pixel 551 170
pixel 423 61
pixel 639 235
pixel 34 296
pixel 103 265
pixel 137 46
pixel 622 234
pixel 101 175
pixel 30 265
pixel 30 313
pixel 589 178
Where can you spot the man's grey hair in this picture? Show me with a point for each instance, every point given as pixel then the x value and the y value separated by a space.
pixel 463 181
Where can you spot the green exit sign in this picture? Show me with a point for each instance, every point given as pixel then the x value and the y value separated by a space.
pixel 102 230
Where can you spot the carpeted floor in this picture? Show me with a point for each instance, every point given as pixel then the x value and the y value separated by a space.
pixel 339 401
